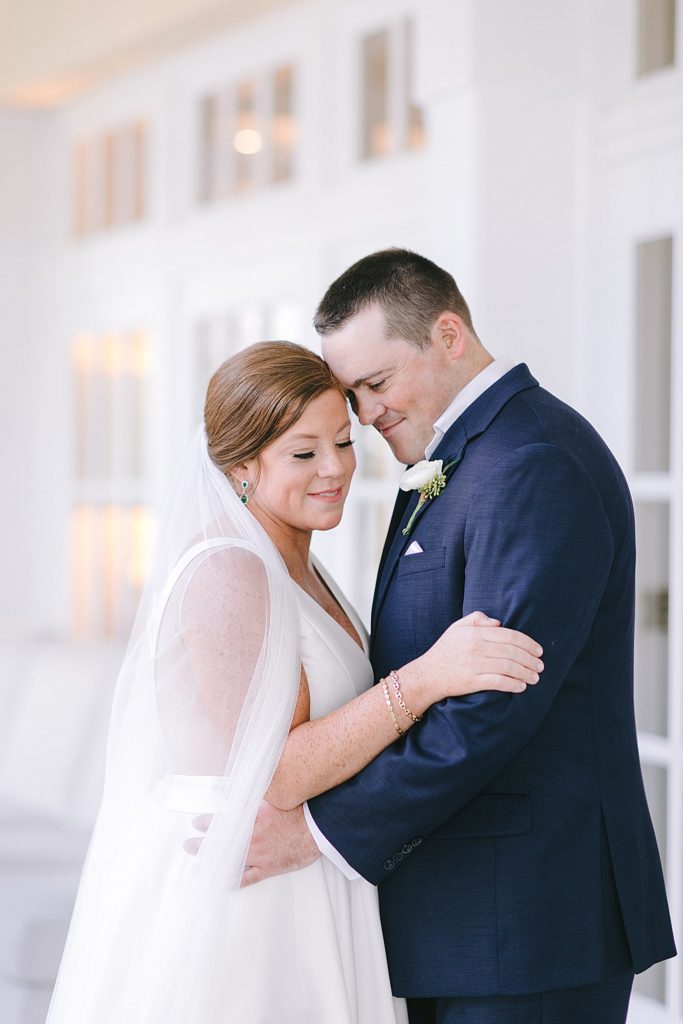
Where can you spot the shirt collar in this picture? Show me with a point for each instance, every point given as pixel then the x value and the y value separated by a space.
pixel 469 394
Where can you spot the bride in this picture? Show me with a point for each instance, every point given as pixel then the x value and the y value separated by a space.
pixel 247 676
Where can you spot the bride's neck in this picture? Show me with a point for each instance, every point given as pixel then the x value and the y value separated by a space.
pixel 294 545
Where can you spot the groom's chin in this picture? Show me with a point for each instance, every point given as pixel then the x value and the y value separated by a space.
pixel 403 454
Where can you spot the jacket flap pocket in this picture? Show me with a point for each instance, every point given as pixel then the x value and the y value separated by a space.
pixel 489 814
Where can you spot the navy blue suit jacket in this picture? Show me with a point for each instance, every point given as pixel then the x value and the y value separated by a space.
pixel 509 833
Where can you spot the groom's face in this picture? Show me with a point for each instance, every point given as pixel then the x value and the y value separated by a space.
pixel 394 386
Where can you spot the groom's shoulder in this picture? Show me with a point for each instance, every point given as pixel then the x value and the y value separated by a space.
pixel 536 416
pixel 544 416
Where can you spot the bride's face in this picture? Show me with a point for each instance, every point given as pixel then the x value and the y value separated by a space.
pixel 305 474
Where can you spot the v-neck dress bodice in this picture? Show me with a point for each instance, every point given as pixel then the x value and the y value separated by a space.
pixel 337 668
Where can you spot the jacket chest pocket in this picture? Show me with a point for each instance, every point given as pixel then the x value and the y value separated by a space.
pixel 422 561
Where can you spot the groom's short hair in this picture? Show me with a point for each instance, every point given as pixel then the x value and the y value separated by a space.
pixel 410 289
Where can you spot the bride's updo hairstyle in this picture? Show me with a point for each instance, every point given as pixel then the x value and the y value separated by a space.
pixel 258 394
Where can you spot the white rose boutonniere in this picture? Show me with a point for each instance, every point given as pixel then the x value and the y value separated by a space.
pixel 421 475
pixel 429 478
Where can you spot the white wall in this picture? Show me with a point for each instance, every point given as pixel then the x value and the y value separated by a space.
pixel 32 408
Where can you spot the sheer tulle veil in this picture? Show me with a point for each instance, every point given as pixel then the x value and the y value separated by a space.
pixel 201 711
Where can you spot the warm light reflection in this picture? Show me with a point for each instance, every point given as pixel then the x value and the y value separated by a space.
pixel 139 355
pixel 111 548
pixel 284 130
pixel 82 353
pixel 380 139
pixel 82 545
pixel 142 537
pixel 247 141
pixel 111 355
pixel 112 529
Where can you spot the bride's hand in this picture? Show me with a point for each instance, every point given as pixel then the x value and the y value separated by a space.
pixel 477 653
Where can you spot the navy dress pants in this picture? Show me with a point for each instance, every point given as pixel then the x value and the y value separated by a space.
pixel 604 1003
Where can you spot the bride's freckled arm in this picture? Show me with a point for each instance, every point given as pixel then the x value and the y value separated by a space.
pixel 322 753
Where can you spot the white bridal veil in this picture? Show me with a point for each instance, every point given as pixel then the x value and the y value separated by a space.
pixel 201 712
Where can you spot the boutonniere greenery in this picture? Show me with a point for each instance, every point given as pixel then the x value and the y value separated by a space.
pixel 429 478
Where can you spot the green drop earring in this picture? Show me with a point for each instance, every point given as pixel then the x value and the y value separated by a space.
pixel 244 497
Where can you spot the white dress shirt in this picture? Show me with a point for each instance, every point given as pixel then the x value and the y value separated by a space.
pixel 490 375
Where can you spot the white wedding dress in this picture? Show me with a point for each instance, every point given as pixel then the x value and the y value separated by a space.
pixel 310 942
pixel 202 708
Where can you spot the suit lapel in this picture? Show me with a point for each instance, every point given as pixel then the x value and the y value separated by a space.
pixel 473 422
pixel 402 499
pixel 403 509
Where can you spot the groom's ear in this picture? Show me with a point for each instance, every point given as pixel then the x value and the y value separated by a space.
pixel 450 333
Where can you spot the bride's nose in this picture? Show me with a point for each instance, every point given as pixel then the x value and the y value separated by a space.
pixel 331 465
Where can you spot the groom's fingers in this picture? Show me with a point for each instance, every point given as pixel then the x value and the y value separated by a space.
pixel 252 874
pixel 201 823
pixel 192 845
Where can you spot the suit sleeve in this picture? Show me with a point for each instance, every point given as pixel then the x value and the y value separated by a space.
pixel 538 550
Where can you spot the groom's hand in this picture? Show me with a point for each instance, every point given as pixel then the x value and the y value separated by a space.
pixel 280 842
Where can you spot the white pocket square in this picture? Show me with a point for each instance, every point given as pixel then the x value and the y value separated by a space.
pixel 414 549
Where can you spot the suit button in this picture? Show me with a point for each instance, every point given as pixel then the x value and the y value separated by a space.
pixel 407 848
pixel 388 864
pixel 398 857
pixel 416 841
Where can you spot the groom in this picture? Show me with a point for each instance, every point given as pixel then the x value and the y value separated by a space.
pixel 519 878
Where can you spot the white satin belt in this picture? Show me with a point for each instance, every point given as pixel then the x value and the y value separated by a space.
pixel 193 794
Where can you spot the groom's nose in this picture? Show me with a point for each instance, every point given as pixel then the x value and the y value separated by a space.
pixel 369 409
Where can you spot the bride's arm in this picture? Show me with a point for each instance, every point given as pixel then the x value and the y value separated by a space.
pixel 468 658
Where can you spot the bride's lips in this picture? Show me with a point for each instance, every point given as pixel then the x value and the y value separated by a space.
pixel 329 497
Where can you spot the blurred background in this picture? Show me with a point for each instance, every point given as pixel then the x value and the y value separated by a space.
pixel 179 178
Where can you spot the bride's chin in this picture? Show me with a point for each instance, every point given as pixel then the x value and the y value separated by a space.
pixel 329 521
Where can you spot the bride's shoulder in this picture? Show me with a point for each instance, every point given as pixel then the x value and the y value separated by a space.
pixel 222 580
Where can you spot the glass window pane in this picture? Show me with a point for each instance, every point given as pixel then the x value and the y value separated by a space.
pixel 80 189
pixel 208 136
pixel 656 34
pixel 653 354
pixel 109 145
pixel 247 140
pixel 215 337
pixel 139 369
pixel 139 134
pixel 652 617
pixel 82 367
pixel 376 140
pixel 283 127
pixel 653 982
pixel 415 135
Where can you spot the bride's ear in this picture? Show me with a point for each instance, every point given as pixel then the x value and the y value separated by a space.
pixel 242 477
pixel 238 473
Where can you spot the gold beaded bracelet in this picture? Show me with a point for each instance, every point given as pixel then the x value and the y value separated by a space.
pixel 399 697
pixel 387 698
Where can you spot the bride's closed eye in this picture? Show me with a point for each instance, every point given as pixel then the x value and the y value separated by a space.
pixel 309 455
